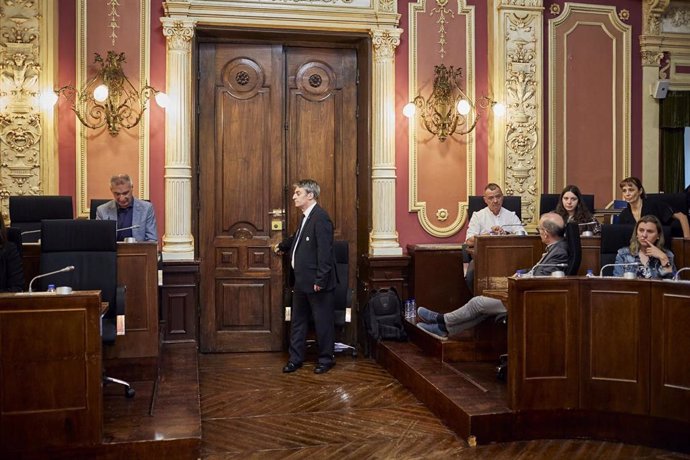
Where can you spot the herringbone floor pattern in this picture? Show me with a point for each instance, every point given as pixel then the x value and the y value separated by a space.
pixel 251 410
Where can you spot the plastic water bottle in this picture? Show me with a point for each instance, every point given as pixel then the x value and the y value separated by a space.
pixel 51 288
pixel 413 309
pixel 590 273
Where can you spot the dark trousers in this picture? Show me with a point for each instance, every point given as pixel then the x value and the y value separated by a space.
pixel 320 306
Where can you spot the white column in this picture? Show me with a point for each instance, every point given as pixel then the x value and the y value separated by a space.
pixel 178 242
pixel 383 239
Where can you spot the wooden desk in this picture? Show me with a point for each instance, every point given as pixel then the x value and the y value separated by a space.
pixel 137 268
pixel 497 257
pixel 50 361
pixel 600 346
pixel 437 278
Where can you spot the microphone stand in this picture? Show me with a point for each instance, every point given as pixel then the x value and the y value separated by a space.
pixel 68 268
pixel 630 264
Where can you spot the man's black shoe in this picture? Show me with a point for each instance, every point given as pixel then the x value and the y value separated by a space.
pixel 323 368
pixel 291 367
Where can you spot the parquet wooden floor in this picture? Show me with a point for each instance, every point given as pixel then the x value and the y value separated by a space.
pixel 251 410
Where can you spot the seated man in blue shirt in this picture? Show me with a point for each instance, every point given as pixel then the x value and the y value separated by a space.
pixel 135 218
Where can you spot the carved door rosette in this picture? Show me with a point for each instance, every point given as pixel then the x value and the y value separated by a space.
pixel 20 120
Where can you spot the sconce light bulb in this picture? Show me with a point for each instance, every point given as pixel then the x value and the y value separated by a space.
pixel 162 99
pixel 499 109
pixel 464 107
pixel 100 93
pixel 48 99
pixel 409 109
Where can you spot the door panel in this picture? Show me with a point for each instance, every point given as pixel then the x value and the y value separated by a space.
pixel 241 181
pixel 322 134
pixel 269 116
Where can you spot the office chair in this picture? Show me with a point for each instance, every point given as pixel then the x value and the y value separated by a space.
pixel 677 202
pixel 549 201
pixel 343 293
pixel 572 237
pixel 15 236
pixel 617 204
pixel 511 203
pixel 94 204
pixel 27 212
pixel 91 247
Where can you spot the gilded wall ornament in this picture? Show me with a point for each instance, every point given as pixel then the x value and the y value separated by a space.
pixel 624 15
pixel 528 3
pixel 680 17
pixel 652 58
pixel 442 20
pixel 387 5
pixel 442 214
pixel 522 131
pixel 652 11
pixel 20 122
pixel 555 9
pixel 113 15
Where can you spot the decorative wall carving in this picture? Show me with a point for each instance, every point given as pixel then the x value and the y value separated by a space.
pixel 679 17
pixel 523 102
pixel 20 120
pixel 653 9
pixel 384 43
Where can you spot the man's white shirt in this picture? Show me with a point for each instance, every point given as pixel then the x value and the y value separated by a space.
pixel 482 221
pixel 299 233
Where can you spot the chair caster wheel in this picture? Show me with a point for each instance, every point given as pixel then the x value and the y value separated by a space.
pixel 129 392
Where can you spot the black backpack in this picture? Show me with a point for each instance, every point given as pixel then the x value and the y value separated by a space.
pixel 383 316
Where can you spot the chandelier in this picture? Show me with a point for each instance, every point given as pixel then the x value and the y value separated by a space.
pixel 448 110
pixel 109 98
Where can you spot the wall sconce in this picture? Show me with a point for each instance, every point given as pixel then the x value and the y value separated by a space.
pixel 109 98
pixel 448 110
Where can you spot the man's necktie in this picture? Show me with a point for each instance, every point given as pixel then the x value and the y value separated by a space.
pixel 297 235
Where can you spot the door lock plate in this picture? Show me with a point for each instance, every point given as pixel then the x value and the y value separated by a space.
pixel 276 224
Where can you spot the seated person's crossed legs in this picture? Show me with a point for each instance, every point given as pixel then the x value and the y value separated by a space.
pixel 469 315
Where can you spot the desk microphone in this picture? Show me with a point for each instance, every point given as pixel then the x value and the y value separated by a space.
pixel 68 268
pixel 675 277
pixel 127 228
pixel 629 264
pixel 584 224
pixel 29 232
pixel 531 272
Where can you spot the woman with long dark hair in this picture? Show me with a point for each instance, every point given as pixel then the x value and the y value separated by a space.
pixel 572 209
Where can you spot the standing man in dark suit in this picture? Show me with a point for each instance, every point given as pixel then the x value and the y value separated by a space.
pixel 313 277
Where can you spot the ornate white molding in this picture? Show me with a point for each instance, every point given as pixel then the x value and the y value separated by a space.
pixel 178 242
pixel 429 218
pixel 378 18
pixel 383 239
pixel 652 11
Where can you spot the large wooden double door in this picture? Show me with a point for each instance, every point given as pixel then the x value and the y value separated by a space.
pixel 269 115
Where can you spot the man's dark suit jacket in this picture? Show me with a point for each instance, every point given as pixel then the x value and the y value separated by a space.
pixel 557 254
pixel 314 259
